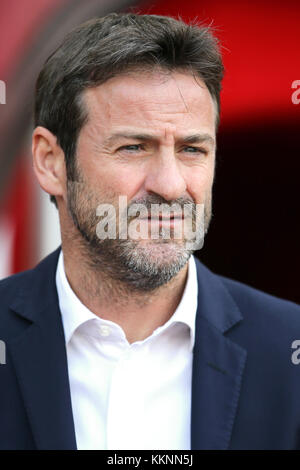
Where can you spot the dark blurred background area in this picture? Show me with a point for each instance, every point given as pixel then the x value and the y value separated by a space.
pixel 255 229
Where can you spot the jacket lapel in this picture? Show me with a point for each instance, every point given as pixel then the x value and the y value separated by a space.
pixel 218 365
pixel 40 360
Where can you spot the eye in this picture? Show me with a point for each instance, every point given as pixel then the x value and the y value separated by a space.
pixel 131 147
pixel 195 150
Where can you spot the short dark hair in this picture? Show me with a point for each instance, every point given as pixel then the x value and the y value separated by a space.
pixel 102 48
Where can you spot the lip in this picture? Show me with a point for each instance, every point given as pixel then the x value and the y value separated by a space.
pixel 164 221
pixel 166 218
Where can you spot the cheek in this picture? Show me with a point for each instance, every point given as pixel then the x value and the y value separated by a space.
pixel 120 182
pixel 199 185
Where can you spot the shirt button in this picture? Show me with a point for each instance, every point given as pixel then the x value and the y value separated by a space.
pixel 104 330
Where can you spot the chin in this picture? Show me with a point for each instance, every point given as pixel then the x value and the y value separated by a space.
pixel 163 251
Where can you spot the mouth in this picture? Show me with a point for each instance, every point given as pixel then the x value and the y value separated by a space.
pixel 167 221
pixel 166 218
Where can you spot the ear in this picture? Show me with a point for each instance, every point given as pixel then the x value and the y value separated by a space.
pixel 48 162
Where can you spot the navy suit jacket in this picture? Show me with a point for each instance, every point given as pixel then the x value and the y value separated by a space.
pixel 245 387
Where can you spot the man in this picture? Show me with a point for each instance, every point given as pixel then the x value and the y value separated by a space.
pixel 124 341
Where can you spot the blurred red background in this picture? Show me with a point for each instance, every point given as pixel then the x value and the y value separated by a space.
pixel 255 229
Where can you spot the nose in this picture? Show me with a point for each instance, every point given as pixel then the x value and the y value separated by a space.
pixel 165 178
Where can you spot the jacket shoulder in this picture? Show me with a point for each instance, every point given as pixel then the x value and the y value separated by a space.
pixel 25 287
pixel 12 284
pixel 263 308
pixel 245 293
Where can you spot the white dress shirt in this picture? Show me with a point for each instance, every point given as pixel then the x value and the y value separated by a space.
pixel 129 396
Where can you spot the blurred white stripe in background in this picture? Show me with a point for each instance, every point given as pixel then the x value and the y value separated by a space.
pixel 49 225
pixel 7 233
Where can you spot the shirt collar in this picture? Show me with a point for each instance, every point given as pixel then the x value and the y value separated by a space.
pixel 186 310
pixel 75 313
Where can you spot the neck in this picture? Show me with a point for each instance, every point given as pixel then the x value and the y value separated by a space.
pixel 138 313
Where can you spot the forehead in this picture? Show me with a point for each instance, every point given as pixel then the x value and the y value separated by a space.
pixel 178 100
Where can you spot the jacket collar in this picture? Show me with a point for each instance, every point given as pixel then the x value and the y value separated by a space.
pixel 218 364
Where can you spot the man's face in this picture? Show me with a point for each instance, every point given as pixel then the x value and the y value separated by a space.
pixel 151 138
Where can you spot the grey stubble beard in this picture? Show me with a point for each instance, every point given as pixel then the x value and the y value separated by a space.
pixel 126 262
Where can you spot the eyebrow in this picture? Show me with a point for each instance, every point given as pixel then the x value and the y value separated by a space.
pixel 190 139
pixel 198 139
